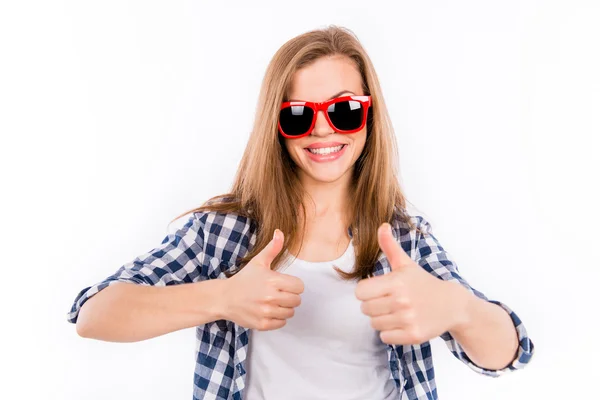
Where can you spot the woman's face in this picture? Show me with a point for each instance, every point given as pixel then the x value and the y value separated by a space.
pixel 326 78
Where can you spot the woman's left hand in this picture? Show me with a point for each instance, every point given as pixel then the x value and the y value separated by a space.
pixel 410 305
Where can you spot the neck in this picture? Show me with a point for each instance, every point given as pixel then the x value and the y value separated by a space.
pixel 326 198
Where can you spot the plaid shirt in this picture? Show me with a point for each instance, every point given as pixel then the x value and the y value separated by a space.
pixel 208 245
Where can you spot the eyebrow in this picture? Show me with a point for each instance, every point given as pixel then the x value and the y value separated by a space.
pixel 334 96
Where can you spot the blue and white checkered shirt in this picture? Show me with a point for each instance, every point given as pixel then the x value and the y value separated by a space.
pixel 208 245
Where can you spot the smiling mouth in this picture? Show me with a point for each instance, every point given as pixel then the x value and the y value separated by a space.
pixel 327 150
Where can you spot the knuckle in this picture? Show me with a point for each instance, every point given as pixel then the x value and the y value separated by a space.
pixel 266 309
pixel 398 278
pixel 409 316
pixel 401 301
pixel 272 279
pixel 415 335
pixel 263 324
pixel 268 297
pixel 273 276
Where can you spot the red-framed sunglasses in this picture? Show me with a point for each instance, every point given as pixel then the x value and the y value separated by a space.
pixel 346 114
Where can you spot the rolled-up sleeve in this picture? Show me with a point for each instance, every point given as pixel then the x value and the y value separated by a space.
pixel 435 259
pixel 178 259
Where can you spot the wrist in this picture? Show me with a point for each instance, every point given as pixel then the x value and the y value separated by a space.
pixel 462 306
pixel 210 299
pixel 219 299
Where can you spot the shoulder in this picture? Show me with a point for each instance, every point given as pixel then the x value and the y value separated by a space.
pixel 226 235
pixel 413 232
pixel 406 223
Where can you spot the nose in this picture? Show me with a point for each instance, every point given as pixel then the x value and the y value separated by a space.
pixel 322 127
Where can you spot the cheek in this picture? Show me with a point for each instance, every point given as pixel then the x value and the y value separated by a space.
pixel 293 150
pixel 360 142
pixel 288 146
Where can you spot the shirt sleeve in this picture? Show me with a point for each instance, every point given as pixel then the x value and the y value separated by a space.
pixel 180 258
pixel 434 258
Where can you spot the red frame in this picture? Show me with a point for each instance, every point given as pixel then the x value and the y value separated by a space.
pixel 322 106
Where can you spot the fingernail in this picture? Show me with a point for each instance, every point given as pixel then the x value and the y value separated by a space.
pixel 275 234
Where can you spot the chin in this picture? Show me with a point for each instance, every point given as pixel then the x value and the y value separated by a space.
pixel 326 179
pixel 326 176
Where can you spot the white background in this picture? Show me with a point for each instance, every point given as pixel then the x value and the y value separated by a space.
pixel 117 116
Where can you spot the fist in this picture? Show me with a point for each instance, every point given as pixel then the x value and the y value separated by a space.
pixel 259 298
pixel 408 305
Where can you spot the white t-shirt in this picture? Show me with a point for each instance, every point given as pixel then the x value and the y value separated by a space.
pixel 327 350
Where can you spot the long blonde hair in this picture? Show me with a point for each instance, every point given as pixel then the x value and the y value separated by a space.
pixel 266 188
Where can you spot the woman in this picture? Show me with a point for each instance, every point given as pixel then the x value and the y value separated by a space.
pixel 273 273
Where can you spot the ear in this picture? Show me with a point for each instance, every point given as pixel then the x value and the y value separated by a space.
pixel 391 248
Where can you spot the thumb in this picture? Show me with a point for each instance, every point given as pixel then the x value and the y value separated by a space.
pixel 391 248
pixel 270 251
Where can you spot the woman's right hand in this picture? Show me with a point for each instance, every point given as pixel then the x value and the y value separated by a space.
pixel 259 298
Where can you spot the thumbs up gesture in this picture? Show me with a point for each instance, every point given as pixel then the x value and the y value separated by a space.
pixel 409 305
pixel 258 297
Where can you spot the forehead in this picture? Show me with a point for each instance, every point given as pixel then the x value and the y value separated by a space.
pixel 324 78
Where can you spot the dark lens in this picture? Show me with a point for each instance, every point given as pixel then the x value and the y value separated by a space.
pixel 346 115
pixel 295 120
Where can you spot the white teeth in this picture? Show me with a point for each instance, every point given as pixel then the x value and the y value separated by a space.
pixel 326 150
